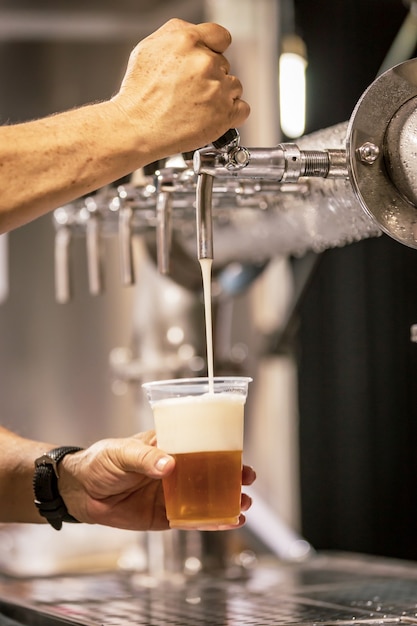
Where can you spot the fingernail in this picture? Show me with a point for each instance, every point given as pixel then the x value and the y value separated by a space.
pixel 162 462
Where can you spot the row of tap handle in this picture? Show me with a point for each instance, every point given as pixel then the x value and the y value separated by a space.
pixel 178 189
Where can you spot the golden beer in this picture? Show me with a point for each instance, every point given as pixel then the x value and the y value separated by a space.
pixel 204 489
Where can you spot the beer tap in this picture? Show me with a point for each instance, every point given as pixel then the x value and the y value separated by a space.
pixel 226 150
pixel 94 249
pixel 63 238
pixel 125 245
pixel 226 158
pixel 164 183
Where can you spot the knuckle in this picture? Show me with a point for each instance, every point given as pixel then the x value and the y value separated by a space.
pixel 174 21
pixel 186 39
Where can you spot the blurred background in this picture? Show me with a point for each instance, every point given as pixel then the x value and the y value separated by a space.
pixel 332 424
pixel 356 365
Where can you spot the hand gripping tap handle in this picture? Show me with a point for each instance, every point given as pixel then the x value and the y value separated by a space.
pixel 204 197
pixel 229 137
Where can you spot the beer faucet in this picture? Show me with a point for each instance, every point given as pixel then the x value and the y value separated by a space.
pixel 94 249
pixel 223 148
pixel 63 239
pixel 226 158
pixel 285 163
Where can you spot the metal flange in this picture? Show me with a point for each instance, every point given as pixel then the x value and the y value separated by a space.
pixel 381 138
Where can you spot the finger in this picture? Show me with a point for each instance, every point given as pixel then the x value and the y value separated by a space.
pixel 235 86
pixel 242 520
pixel 224 65
pixel 240 113
pixel 240 108
pixel 214 36
pixel 248 475
pixel 245 502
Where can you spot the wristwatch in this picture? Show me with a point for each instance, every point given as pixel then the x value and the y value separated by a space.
pixel 45 486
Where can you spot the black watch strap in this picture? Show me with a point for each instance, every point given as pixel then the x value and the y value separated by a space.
pixel 45 486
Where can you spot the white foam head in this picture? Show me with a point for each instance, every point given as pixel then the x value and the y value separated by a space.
pixel 200 423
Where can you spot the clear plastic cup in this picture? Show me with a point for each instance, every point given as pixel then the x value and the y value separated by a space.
pixel 200 423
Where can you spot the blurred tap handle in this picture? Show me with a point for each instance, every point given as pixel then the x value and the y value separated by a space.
pixel 163 230
pixel 94 255
pixel 63 238
pixel 125 245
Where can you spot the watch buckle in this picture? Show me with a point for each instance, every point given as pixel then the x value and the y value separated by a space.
pixel 45 459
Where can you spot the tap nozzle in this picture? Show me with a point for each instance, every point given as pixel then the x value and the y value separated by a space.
pixel 204 195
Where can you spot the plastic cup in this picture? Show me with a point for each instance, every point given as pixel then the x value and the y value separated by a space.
pixel 201 426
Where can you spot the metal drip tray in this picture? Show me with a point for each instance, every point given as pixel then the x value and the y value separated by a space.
pixel 326 589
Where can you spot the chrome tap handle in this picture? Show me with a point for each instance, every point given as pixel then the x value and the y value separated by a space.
pixel 62 264
pixel 125 245
pixel 163 230
pixel 94 255
pixel 229 138
pixel 224 157
pixel 235 156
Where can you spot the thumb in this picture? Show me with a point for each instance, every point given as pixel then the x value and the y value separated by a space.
pixel 214 36
pixel 138 456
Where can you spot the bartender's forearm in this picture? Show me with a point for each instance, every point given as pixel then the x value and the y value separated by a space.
pixel 16 477
pixel 51 161
pixel 177 95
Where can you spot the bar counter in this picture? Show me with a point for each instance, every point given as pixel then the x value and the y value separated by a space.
pixel 326 589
